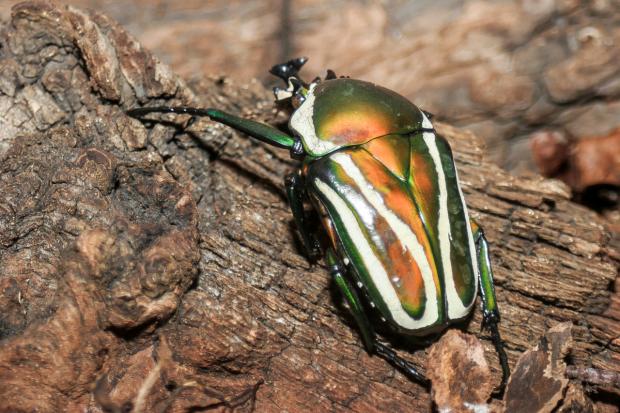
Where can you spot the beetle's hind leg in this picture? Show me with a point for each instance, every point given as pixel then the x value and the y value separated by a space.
pixel 490 312
pixel 296 193
pixel 373 346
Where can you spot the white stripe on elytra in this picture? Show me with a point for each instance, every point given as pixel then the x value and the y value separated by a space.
pixel 409 242
pixel 470 240
pixel 302 123
pixel 456 309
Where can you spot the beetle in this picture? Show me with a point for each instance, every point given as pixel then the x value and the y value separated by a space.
pixel 385 187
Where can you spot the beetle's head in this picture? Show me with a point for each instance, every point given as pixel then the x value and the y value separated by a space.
pixel 296 90
pixel 337 112
pixel 288 69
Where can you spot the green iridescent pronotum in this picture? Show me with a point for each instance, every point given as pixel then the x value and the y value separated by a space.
pixel 386 190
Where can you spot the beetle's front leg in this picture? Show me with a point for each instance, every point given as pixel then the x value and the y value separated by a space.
pixel 490 312
pixel 373 346
pixel 296 194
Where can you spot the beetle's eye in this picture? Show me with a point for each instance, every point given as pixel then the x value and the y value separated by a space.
pixel 297 100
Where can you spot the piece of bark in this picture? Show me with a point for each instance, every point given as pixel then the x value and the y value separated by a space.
pixel 538 381
pixel 460 375
pixel 83 187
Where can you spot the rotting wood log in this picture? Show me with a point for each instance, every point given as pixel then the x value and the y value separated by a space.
pixel 157 269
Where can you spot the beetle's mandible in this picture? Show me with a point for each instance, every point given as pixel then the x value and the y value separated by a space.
pixel 386 189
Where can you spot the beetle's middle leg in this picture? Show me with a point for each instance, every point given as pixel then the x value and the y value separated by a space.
pixel 490 312
pixel 296 193
pixel 373 346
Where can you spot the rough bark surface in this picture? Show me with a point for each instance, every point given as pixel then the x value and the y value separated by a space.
pixel 157 269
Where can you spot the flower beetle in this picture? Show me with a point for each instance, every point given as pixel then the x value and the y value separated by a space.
pixel 386 189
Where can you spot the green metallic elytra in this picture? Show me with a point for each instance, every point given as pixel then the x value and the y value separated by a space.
pixel 375 211
pixel 384 184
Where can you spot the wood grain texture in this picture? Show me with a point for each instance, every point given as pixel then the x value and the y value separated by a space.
pixel 157 268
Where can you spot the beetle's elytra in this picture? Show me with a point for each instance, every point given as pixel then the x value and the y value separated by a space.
pixel 386 189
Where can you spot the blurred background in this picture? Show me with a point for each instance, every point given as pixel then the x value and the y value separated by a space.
pixel 539 80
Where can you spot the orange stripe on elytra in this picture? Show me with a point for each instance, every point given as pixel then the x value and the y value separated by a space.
pixel 420 169
pixel 377 177
pixel 405 276
pixel 424 187
pixel 403 207
pixel 383 150
pixel 399 201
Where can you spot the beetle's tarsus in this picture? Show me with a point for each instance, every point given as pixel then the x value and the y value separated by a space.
pixel 490 321
pixel 403 365
pixel 503 359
